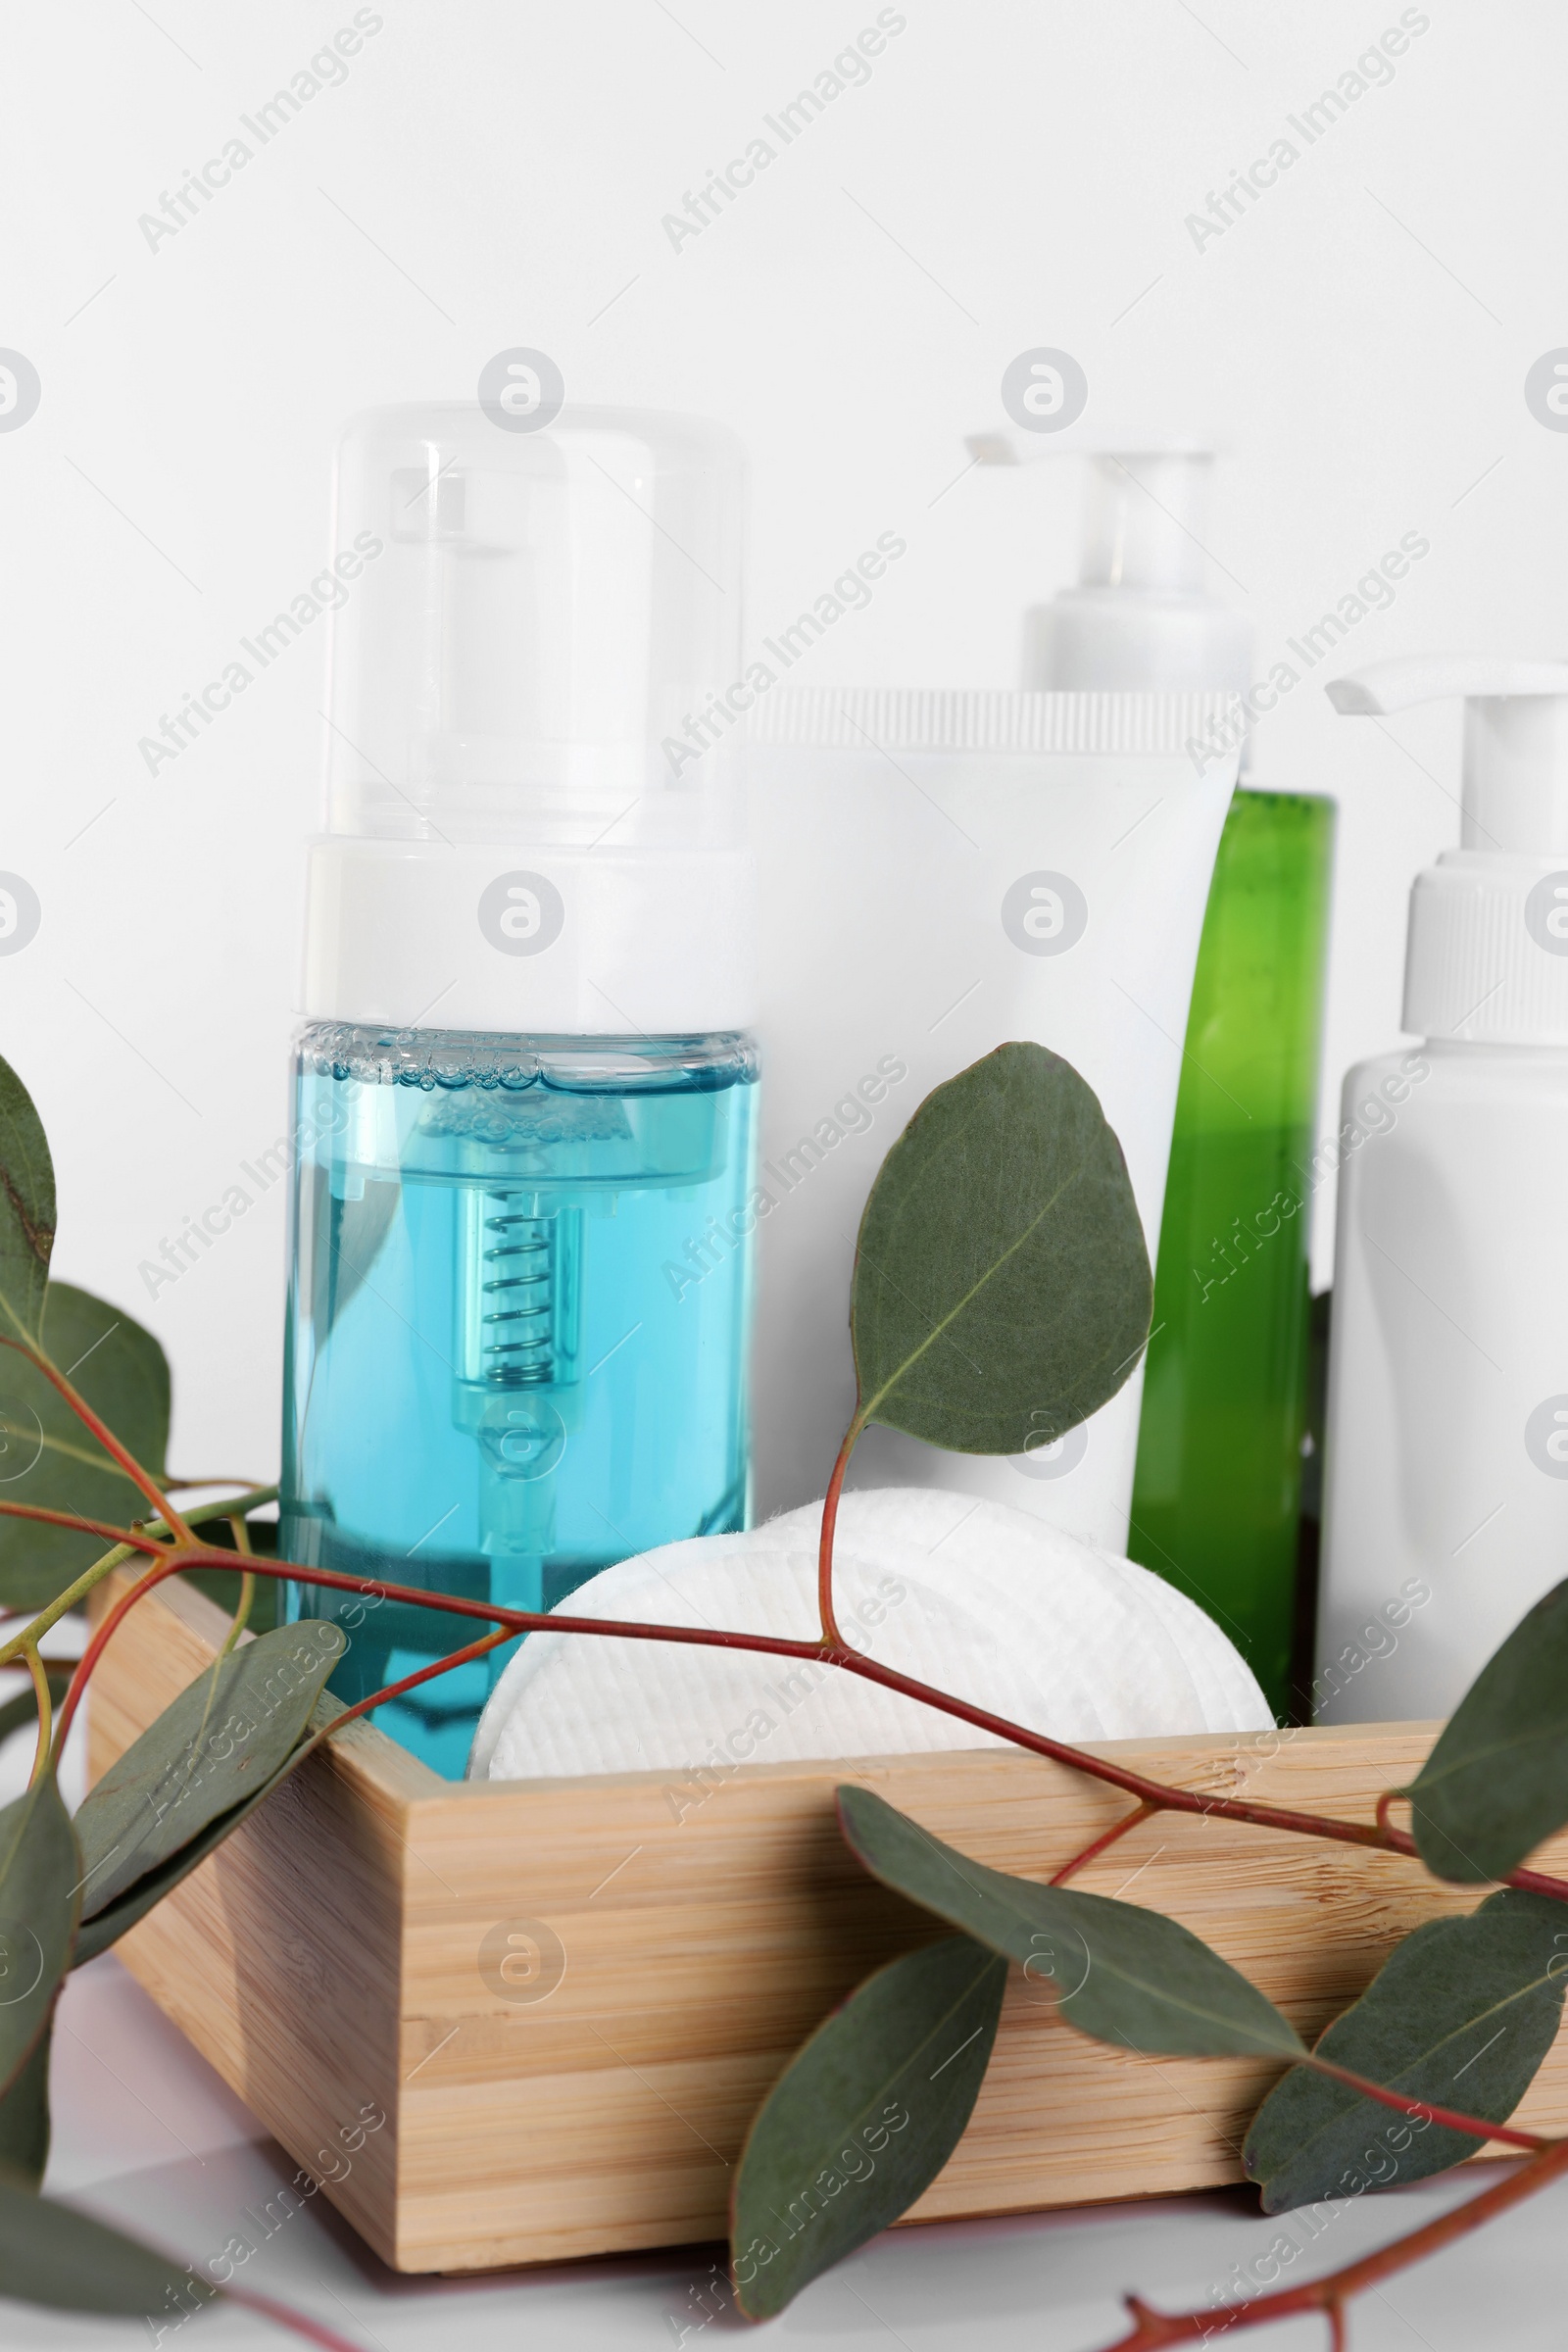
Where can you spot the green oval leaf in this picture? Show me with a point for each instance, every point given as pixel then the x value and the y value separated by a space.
pixel 26 1210
pixel 220 1741
pixel 25 2114
pixel 1001 1288
pixel 107 1926
pixel 51 2255
pixel 1122 1975
pixel 41 1893
pixel 864 2119
pixel 1496 1782
pixel 50 1459
pixel 1461 2015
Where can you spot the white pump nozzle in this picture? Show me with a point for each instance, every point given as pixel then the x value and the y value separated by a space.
pixel 1515 791
pixel 1488 955
pixel 1141 618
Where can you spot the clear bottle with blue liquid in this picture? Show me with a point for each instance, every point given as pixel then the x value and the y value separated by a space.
pixel 524 1096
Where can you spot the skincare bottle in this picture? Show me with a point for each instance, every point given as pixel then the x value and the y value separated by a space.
pixel 943 869
pixel 1445 1511
pixel 525 1085
pixel 1217 1496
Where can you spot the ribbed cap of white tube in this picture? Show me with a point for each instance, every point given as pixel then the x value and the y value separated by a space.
pixel 533 826
pixel 1486 956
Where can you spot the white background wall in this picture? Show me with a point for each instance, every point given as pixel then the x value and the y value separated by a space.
pixel 492 175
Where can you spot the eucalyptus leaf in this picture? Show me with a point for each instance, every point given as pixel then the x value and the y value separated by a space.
pixel 1001 1288
pixel 48 1459
pixel 39 1900
pixel 1461 2015
pixel 1121 1974
pixel 223 1739
pixel 26 1210
pixel 25 2114
pixel 1496 1782
pixel 50 2254
pixel 107 1926
pixel 864 2120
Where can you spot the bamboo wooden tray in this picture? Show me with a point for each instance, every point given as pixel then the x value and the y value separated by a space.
pixel 569 2002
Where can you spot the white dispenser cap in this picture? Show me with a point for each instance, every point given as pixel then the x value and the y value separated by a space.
pixel 532 827
pixel 1486 959
pixel 1141 618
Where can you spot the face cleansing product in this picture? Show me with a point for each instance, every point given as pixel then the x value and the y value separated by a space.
pixel 944 871
pixel 1445 1510
pixel 1216 1499
pixel 526 1080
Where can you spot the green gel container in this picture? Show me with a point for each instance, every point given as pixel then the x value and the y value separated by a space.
pixel 1217 1494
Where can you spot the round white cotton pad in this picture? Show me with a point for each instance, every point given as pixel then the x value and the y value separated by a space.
pixel 977 1600
pixel 1122 1646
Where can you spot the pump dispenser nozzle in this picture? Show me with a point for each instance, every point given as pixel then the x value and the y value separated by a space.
pixel 1139 620
pixel 1515 738
pixel 1486 961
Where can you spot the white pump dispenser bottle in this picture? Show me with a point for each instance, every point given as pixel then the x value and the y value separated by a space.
pixel 1141 618
pixel 1446 1498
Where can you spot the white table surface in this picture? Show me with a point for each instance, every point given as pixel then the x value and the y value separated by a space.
pixel 146 2136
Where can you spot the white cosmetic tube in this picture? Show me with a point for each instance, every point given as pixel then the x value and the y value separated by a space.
pixel 941 872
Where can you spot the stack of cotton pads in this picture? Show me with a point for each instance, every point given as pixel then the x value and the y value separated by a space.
pixel 977 1600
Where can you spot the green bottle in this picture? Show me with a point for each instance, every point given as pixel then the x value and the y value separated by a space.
pixel 1216 1499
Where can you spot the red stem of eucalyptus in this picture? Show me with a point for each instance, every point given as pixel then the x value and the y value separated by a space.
pixel 1449 2119
pixel 110 1534
pixel 1098 1845
pixel 1156 1795
pixel 832 1638
pixel 1328 2296
pixel 298 2323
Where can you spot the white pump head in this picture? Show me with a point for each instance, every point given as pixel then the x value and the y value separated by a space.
pixel 1515 739
pixel 1141 618
pixel 1487 953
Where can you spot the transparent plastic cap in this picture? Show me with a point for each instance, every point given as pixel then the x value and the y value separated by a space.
pixel 529 617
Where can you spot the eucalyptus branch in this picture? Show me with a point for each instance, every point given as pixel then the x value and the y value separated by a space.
pixel 282 2315
pixel 247 1586
pixel 832 1638
pixel 118 1453
pixel 1153 2330
pixel 1329 2295
pixel 1098 1845
pixel 1156 1795
pixel 183 1486
pixel 40 1684
pixel 128 1542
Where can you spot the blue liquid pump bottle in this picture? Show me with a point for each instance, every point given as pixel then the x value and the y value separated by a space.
pixel 521 1279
